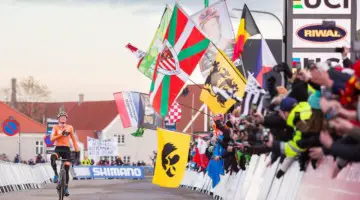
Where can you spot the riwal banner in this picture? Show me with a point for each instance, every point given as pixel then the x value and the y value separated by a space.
pixel 99 172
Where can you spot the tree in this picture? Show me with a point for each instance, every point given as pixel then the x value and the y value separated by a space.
pixel 29 93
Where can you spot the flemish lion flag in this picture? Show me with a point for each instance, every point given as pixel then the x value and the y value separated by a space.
pixel 183 47
pixel 172 157
pixel 247 28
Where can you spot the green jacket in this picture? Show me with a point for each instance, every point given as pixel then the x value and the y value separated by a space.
pixel 299 114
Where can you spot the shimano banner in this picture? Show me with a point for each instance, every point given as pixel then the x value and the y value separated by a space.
pixel 99 172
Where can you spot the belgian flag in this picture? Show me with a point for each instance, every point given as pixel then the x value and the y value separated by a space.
pixel 247 28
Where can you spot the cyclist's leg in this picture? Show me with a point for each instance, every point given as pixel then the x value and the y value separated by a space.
pixel 53 158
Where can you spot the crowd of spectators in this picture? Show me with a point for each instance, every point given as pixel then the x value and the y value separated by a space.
pixel 316 114
pixel 38 159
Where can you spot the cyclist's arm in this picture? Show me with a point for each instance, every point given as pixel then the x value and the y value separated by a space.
pixel 54 136
pixel 72 134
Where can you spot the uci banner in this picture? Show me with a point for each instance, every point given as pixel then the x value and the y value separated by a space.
pixel 98 172
pixel 172 157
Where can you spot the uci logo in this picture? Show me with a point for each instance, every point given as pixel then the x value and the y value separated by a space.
pixel 318 33
pixel 313 4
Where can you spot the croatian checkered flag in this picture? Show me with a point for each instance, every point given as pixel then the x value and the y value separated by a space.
pixel 174 114
pixel 253 96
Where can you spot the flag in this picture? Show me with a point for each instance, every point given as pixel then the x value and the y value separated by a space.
pixel 172 157
pixel 174 113
pixel 139 132
pixel 148 118
pixel 128 107
pixel 206 3
pixel 247 28
pixel 138 53
pixel 147 64
pixel 224 86
pixel 184 45
pixel 253 97
pixel 200 157
pixel 265 61
pixel 216 24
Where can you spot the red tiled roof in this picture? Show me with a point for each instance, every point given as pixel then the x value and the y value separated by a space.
pixel 27 124
pixel 83 134
pixel 92 115
pixel 39 110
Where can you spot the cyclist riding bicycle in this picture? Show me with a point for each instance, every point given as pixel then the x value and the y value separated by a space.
pixel 61 135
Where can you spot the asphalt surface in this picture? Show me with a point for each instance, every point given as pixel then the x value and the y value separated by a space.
pixel 109 190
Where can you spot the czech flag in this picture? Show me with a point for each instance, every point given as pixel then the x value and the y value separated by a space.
pixel 247 28
pixel 265 61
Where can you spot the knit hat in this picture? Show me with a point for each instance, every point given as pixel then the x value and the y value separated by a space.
pixel 287 104
pixel 314 100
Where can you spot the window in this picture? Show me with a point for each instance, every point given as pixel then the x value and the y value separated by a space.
pixel 126 159
pixel 120 139
pixel 39 147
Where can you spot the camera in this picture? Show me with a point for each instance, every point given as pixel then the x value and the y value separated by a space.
pixel 326 93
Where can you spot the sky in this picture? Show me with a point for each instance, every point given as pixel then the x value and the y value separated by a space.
pixel 77 46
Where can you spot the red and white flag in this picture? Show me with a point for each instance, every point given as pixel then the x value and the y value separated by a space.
pixel 174 114
pixel 138 53
pixel 200 155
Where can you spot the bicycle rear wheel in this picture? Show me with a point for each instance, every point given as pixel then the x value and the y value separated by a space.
pixel 62 184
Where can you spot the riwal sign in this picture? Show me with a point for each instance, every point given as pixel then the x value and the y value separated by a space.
pixel 309 33
pixel 322 6
pixel 99 172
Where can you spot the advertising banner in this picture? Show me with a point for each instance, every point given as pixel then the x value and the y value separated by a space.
pixel 322 6
pixel 99 172
pixel 306 58
pixel 319 184
pixel 310 33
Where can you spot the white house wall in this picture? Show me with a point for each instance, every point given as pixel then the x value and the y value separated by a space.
pixel 10 145
pixel 138 148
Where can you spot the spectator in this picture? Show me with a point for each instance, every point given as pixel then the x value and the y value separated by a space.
pixel 17 159
pixel 39 158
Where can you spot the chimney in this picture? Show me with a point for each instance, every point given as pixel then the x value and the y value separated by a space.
pixel 13 93
pixel 81 98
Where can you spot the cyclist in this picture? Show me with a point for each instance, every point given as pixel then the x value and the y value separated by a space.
pixel 61 135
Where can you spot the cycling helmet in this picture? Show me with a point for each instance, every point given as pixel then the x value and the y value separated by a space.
pixel 62 113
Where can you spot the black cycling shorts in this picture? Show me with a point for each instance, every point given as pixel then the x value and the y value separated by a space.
pixel 63 152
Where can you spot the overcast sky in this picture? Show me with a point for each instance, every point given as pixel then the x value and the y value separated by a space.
pixel 77 46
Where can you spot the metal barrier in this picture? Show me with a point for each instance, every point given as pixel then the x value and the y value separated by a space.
pixel 15 177
pixel 258 182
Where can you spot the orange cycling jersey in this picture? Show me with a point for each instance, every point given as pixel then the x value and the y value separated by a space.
pixel 61 140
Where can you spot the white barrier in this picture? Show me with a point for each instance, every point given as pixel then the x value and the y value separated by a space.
pixel 16 177
pixel 258 182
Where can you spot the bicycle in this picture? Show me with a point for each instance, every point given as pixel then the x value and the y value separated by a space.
pixel 62 179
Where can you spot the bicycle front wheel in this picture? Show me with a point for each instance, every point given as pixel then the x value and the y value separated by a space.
pixel 62 185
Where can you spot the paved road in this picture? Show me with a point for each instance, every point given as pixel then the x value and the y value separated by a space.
pixel 109 190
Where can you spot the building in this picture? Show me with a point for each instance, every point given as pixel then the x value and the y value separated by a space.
pixel 31 135
pixel 195 114
pixel 100 120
